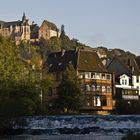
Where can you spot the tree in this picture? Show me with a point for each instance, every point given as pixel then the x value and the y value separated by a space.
pixel 19 94
pixel 69 91
pixel 48 46
pixel 65 40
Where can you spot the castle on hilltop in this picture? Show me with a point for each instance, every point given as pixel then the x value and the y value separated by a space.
pixel 22 30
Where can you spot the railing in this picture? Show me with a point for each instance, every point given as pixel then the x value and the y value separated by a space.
pixel 101 81
pixel 97 93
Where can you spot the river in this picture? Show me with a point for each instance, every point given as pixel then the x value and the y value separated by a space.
pixel 83 127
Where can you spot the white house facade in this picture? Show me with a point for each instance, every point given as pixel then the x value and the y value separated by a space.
pixel 136 82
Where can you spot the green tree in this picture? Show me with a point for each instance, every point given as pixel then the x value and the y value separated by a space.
pixel 19 94
pixel 65 40
pixel 69 91
pixel 48 46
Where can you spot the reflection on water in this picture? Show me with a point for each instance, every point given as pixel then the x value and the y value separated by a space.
pixel 66 137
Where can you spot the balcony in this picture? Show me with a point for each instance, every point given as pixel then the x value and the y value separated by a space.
pixel 97 93
pixel 98 81
pixel 98 108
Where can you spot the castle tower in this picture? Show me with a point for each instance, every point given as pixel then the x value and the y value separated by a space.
pixel 25 28
pixel 24 17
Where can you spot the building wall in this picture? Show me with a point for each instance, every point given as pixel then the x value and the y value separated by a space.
pixel 43 31
pixel 25 33
pixel 46 32
pixel 22 32
pixel 136 82
pixel 54 33
pixel 97 89
pixel 5 32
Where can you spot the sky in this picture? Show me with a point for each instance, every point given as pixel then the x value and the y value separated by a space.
pixel 108 23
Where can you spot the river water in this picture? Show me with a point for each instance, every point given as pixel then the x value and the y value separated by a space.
pixel 83 127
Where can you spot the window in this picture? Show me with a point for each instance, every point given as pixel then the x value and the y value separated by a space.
pixel 93 75
pixel 122 81
pixel 137 79
pixel 98 88
pixel 108 76
pixel 103 89
pixel 92 87
pixel 87 87
pixel 50 65
pixel 81 75
pixel 103 76
pixel 97 75
pixel 103 101
pixel 87 75
pixel 59 64
pixel 109 89
pixel 50 91
pixel 97 101
pixel 125 82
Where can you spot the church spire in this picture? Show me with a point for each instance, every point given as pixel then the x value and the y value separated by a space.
pixel 24 17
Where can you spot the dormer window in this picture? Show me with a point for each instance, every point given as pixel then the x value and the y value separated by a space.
pixel 50 65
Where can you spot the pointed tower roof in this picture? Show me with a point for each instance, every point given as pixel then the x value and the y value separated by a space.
pixel 23 17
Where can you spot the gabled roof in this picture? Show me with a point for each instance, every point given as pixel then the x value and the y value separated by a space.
pixel 59 60
pixel 81 60
pixel 138 61
pixel 89 61
pixel 12 23
pixel 123 65
pixel 51 25
pixel 124 75
pixel 118 68
pixel 130 63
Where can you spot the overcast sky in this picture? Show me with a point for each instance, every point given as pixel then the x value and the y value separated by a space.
pixel 108 23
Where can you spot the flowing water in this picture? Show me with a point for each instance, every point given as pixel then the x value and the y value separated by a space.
pixel 88 127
